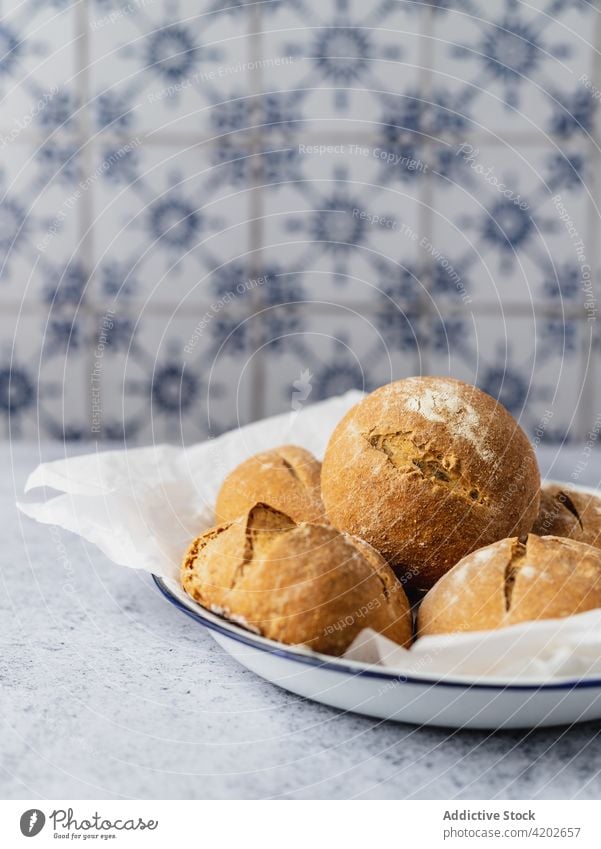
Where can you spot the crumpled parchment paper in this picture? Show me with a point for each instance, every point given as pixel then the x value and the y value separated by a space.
pixel 142 507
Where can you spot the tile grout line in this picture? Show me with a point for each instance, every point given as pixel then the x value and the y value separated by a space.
pixel 257 226
pixel 165 139
pixel 513 310
pixel 86 239
pixel 426 212
pixel 587 412
pixel 453 311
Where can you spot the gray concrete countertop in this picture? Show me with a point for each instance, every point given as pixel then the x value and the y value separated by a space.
pixel 109 692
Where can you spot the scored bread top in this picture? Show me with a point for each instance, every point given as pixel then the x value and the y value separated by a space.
pixel 427 469
pixel 297 584
pixel 566 512
pixel 510 582
pixel 287 478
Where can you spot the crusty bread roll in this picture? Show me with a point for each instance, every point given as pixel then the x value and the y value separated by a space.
pixel 286 478
pixel 426 470
pixel 565 512
pixel 510 582
pixel 298 584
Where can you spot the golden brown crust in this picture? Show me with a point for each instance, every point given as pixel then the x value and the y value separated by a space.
pixel 566 512
pixel 510 582
pixel 427 470
pixel 298 584
pixel 287 478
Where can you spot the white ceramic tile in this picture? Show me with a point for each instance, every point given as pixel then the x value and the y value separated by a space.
pixel 512 66
pixel 40 212
pixel 514 227
pixel 348 222
pixel 42 378
pixel 533 366
pixel 330 66
pixel 39 79
pixel 178 377
pixel 170 223
pixel 164 66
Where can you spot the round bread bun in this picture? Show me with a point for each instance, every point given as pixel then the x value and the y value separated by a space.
pixel 510 582
pixel 287 478
pixel 565 512
pixel 298 584
pixel 426 470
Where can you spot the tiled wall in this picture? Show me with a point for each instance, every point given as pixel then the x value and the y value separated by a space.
pixel 213 211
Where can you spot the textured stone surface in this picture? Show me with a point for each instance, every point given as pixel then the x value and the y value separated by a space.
pixel 109 692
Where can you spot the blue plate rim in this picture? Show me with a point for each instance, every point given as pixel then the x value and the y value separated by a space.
pixel 241 635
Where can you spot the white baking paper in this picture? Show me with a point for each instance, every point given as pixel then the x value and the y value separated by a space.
pixel 534 651
pixel 142 507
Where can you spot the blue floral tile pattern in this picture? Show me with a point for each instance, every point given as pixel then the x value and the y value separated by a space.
pixel 38 68
pixel 517 67
pixel 170 378
pixel 532 366
pixel 338 60
pixel 210 212
pixel 162 67
pixel 517 231
pixel 169 223
pixel 39 219
pixel 349 229
pixel 42 377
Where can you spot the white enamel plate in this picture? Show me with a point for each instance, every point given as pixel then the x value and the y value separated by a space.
pixel 453 702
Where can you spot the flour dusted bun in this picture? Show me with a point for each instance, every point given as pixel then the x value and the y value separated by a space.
pixel 565 512
pixel 286 478
pixel 295 583
pixel 510 582
pixel 426 470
